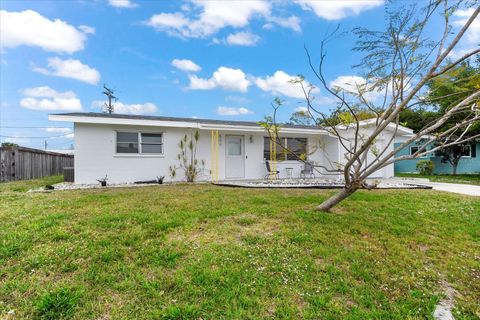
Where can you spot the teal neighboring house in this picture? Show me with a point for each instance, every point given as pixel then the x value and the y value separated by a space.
pixel 469 163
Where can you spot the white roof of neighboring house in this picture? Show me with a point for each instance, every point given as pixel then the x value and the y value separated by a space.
pixel 401 130
pixel 64 151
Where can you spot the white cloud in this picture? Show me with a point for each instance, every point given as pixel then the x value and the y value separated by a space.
pixel 122 4
pixel 228 111
pixel 268 26
pixel 280 83
pixel 472 35
pixel 242 39
pixel 348 83
pixel 213 16
pixel 70 68
pixel 87 29
pixel 336 10
pixel 186 65
pixel 301 109
pixel 471 39
pixel 292 22
pixel 31 29
pixel 225 78
pixel 169 22
pixel 65 133
pixel 58 130
pixel 355 85
pixel 134 108
pixel 47 99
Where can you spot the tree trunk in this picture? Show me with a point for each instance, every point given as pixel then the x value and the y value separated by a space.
pixel 455 165
pixel 335 199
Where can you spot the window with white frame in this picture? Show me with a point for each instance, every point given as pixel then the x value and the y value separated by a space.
pixel 467 151
pixel 414 149
pixel 151 143
pixel 139 142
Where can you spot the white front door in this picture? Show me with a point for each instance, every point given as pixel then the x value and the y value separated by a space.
pixel 235 157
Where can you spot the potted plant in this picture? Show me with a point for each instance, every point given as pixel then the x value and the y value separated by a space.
pixel 103 181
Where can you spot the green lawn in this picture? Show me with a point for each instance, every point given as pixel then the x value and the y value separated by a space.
pixel 459 178
pixel 200 251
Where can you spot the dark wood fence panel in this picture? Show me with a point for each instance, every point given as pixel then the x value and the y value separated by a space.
pixel 20 163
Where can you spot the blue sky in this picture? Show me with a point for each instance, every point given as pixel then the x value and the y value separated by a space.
pixel 206 59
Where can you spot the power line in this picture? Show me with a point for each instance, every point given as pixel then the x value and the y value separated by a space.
pixel 13 127
pixel 60 144
pixel 34 137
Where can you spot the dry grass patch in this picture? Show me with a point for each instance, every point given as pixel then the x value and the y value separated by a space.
pixel 227 230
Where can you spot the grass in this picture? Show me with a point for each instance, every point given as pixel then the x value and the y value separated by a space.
pixel 25 185
pixel 459 178
pixel 200 251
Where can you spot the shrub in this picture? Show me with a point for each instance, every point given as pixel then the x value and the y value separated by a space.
pixel 188 158
pixel 425 167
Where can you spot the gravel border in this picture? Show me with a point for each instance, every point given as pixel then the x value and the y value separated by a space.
pixel 314 184
pixel 65 186
pixel 280 183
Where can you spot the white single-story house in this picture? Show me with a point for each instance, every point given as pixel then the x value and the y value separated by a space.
pixel 129 148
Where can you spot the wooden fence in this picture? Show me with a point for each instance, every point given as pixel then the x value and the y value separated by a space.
pixel 20 163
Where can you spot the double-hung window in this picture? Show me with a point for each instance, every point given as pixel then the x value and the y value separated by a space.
pixel 139 143
pixel 414 149
pixel 467 151
pixel 151 143
pixel 127 142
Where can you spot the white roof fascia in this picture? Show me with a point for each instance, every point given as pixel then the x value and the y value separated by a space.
pixel 226 127
pixel 119 121
pixel 364 123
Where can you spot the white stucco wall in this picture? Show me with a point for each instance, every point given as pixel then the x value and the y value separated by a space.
pixel 384 141
pixel 95 154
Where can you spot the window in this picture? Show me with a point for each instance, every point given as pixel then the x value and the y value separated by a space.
pixel 414 149
pixel 296 146
pixel 467 151
pixel 139 142
pixel 127 142
pixel 152 143
pixel 234 146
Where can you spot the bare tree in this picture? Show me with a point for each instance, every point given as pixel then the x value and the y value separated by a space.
pixel 398 64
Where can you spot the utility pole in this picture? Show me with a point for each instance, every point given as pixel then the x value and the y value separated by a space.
pixel 109 93
pixel 46 144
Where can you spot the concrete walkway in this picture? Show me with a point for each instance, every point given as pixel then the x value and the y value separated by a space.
pixel 467 189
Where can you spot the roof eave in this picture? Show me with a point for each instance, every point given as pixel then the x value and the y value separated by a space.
pixel 176 124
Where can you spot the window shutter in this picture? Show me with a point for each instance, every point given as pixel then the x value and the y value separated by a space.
pixel 473 149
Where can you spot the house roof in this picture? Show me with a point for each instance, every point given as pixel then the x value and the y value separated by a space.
pixel 174 119
pixel 123 119
pixel 402 130
pixel 206 124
